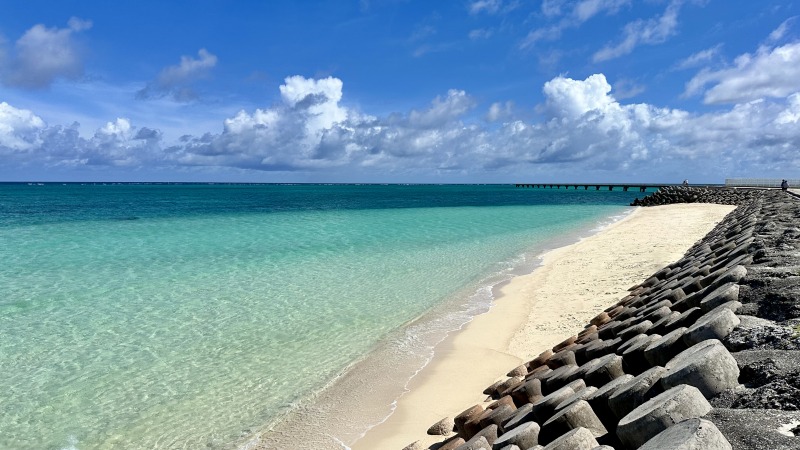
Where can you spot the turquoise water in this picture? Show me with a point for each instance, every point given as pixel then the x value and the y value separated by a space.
pixel 187 316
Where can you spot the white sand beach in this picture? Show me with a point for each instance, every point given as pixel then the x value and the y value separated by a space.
pixel 536 311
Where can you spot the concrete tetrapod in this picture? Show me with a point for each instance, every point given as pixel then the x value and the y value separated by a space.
pixel 498 416
pixel 524 436
pixel 556 379
pixel 529 392
pixel 451 443
pixel 466 416
pixel 442 427
pixel 633 359
pixel 489 434
pixel 539 360
pixel 717 324
pixel 578 414
pixel 708 366
pixel 660 351
pixel 691 434
pixel 510 447
pixel 661 412
pixel 577 439
pixel 721 295
pixel 637 391
pixel 599 401
pixel 544 407
pixel 562 358
pixel 524 414
pixel 581 394
pixel 476 443
pixel 605 369
pixel 638 339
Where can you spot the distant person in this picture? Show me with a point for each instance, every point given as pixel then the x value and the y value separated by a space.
pixel 784 185
pixel 685 182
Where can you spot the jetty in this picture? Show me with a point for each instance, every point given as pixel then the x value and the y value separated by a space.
pixel 705 353
pixel 643 187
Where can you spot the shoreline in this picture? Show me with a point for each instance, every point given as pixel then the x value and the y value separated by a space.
pixel 537 310
pixel 338 414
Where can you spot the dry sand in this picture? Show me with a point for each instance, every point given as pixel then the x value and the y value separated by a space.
pixel 535 311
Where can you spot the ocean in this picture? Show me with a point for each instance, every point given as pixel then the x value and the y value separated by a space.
pixel 196 315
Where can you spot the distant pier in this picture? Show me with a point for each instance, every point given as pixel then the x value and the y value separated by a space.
pixel 643 187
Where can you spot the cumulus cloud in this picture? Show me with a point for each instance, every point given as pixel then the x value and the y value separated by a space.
pixel 26 139
pixel 770 72
pixel 442 110
pixel 44 54
pixel 651 31
pixel 286 136
pixel 582 128
pixel 176 81
pixel 19 129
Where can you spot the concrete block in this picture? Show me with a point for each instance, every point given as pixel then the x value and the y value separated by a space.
pixel 637 391
pixel 577 439
pixel 691 434
pixel 708 366
pixel 524 436
pixel 716 324
pixel 578 414
pixel 661 412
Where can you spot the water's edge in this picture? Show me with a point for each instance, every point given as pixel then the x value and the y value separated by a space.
pixel 365 393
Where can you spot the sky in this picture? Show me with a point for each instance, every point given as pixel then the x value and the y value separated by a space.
pixel 460 91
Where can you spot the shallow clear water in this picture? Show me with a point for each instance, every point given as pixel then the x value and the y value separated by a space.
pixel 184 316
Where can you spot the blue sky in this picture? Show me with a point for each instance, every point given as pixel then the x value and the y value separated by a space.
pixel 399 91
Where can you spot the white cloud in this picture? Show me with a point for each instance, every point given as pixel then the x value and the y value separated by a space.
pixel 624 89
pixel 778 33
pixel 586 9
pixel 422 32
pixel 652 31
pixel 499 111
pixel 480 33
pixel 571 99
pixel 44 54
pixel 19 129
pixel 701 57
pixel 442 110
pixel 488 6
pixel 78 24
pixel 26 139
pixel 770 72
pixel 176 80
pixel 287 136
pixel 791 115
pixel 552 8
pixel 580 12
pixel 583 130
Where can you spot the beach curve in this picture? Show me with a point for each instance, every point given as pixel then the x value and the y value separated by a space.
pixel 535 311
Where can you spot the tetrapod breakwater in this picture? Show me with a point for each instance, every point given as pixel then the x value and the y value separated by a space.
pixel 703 354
